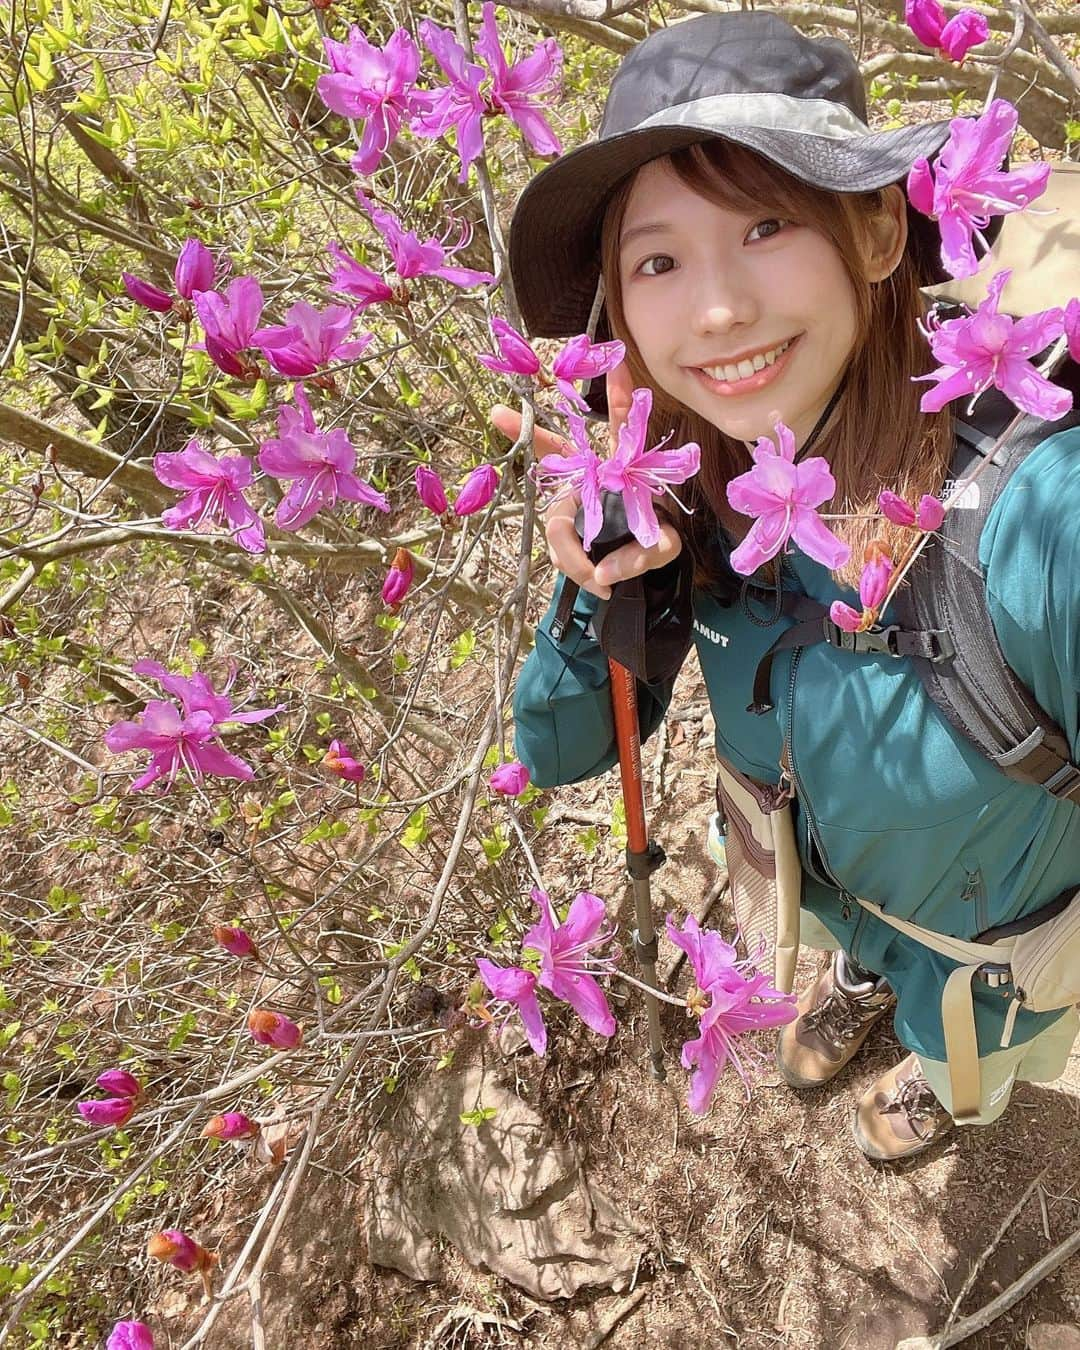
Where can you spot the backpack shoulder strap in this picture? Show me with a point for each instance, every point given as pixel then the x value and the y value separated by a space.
pixel 970 680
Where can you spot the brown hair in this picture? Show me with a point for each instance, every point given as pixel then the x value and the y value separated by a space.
pixel 875 436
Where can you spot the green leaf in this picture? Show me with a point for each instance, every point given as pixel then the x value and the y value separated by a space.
pixel 478 1116
pixel 184 1028
pixel 416 830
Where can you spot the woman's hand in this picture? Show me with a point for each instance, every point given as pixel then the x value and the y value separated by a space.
pixel 564 543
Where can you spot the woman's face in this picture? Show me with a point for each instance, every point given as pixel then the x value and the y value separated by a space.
pixel 745 319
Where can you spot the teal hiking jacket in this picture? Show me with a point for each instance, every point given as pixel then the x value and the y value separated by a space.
pixel 892 803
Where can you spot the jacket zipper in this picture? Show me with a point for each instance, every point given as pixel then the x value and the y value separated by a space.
pixel 787 763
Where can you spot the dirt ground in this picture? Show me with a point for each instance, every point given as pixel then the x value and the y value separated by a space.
pixel 764 1226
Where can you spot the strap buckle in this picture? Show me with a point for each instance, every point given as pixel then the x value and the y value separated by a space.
pixel 879 640
pixel 1065 783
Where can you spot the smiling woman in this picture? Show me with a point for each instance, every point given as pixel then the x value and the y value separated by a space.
pixel 744 232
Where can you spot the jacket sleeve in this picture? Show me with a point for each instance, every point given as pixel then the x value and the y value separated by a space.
pixel 563 727
pixel 1030 553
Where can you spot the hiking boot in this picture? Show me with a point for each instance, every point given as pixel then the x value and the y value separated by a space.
pixel 899 1115
pixel 835 1017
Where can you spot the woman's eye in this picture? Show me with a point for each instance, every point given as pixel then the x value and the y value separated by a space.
pixel 765 229
pixel 650 263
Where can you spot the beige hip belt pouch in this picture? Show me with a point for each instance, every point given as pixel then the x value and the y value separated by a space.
pixel 1043 964
pixel 764 872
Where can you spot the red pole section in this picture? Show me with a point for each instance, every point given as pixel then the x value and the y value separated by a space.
pixel 628 738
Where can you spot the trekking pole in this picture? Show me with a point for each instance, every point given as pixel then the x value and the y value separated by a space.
pixel 643 855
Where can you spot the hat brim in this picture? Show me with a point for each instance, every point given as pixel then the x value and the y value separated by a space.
pixel 554 242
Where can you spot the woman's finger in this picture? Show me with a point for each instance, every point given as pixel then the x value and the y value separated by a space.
pixel 632 559
pixel 567 554
pixel 508 421
pixel 620 393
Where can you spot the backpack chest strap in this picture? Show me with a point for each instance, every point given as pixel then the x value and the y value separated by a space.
pixel 1042 758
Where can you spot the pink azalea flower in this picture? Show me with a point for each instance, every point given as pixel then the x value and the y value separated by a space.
pixel 368 82
pixel 640 474
pixel 1072 328
pixel 516 356
pixel 310 339
pixel 180 1251
pixel 784 497
pixel 361 283
pixel 567 960
pixel 197 694
pixel 398 580
pixel 517 987
pixel 954 37
pixel 319 463
pixel 119 1083
pixel 987 348
pixel 509 780
pixel 740 999
pixel 145 293
pixel 130 1336
pixel 477 490
pixel 520 90
pixel 271 1028
pixel 229 322
pixel 967 185
pixel 561 475
pixel 231 1125
pixel 176 743
pixel 340 761
pixel 194 269
pixel 214 493
pixel 583 359
pixel 458 104
pixel 111 1111
pixel 430 490
pixel 413 258
pixel 235 941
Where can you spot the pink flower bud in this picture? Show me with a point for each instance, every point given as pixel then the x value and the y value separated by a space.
pixel 510 779
pixel 130 1336
pixel 146 294
pixel 231 1125
pixel 430 489
pixel 516 357
pixel 271 1028
pixel 194 269
pixel 180 1251
pixel 850 620
pixel 876 575
pixel 925 18
pixel 112 1111
pixel 340 761
pixel 920 187
pixel 477 490
pixel 930 514
pixel 897 510
pixel 119 1083
pixel 398 579
pixel 235 941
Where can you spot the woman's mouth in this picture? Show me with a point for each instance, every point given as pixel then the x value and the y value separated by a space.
pixel 746 377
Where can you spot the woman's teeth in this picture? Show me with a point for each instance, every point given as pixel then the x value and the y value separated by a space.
pixel 744 369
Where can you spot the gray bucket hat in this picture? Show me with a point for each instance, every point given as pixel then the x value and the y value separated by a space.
pixel 748 77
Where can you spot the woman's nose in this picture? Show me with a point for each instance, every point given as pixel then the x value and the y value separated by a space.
pixel 722 303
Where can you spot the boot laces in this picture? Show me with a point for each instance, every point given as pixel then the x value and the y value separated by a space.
pixel 915 1097
pixel 840 1016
